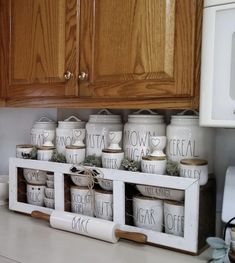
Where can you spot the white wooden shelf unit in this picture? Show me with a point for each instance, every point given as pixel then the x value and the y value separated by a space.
pixel 188 243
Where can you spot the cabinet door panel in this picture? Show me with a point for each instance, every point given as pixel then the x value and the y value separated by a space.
pixel 136 48
pixel 42 47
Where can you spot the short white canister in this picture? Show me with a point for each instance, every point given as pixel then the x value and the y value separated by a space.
pixel 82 200
pixel 45 153
pixel 137 131
pixel 174 218
pixel 97 130
pixel 104 204
pixel 148 213
pixel 187 140
pixel 65 131
pixel 37 131
pixel 194 168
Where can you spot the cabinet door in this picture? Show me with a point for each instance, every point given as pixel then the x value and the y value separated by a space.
pixel 42 36
pixel 137 49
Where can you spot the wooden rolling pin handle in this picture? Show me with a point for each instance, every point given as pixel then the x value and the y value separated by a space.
pixel 41 215
pixel 134 236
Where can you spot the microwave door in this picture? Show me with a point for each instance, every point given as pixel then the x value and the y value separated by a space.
pixel 217 94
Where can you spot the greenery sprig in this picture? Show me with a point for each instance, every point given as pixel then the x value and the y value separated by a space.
pixel 92 160
pixel 57 157
pixel 130 165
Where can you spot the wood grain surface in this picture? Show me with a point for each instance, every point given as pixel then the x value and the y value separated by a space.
pixel 42 47
pixel 136 53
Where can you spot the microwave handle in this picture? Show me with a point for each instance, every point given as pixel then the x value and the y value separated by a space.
pixel 232 71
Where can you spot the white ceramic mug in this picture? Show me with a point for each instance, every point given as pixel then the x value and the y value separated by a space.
pixel 104 204
pixel 75 154
pixel 82 200
pixel 22 149
pixel 148 213
pixel 112 160
pixel 50 184
pixel 35 194
pixel 50 203
pixel 50 176
pixel 45 153
pixel 174 218
pixel 50 192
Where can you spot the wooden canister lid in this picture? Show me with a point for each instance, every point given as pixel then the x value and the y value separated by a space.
pixel 112 151
pixel 194 161
pixel 101 191
pixel 74 147
pixel 24 146
pixel 173 202
pixel 46 148
pixel 154 158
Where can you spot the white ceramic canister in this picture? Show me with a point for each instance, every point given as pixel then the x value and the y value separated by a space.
pixel 97 129
pixel 45 153
pixel 37 132
pixel 148 213
pixel 194 168
pixel 35 194
pixel 174 218
pixel 104 204
pixel 23 150
pixel 112 159
pixel 153 164
pixel 64 132
pixel 82 200
pixel 75 154
pixel 186 140
pixel 137 132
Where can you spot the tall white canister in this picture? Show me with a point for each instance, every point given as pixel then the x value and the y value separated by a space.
pixel 37 131
pixel 186 139
pixel 65 134
pixel 97 129
pixel 137 131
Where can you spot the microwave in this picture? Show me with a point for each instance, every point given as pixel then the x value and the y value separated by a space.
pixel 217 86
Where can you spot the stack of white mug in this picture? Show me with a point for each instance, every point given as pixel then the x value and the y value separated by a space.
pixel 49 199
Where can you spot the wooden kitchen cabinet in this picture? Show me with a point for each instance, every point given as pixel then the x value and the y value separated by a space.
pixel 122 53
pixel 41 36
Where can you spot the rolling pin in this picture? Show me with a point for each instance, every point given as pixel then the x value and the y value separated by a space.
pixel 88 226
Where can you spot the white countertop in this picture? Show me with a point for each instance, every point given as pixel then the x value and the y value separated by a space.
pixel 29 240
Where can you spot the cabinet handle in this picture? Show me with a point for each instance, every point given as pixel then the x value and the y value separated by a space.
pixel 83 76
pixel 68 75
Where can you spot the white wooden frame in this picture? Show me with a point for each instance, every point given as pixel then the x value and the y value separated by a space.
pixel 187 243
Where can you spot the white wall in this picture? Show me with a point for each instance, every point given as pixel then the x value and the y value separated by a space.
pixel 15 125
